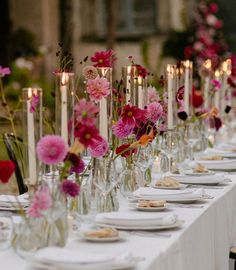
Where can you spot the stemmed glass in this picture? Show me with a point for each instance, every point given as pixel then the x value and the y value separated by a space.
pixel 144 160
pixel 105 180
pixel 169 145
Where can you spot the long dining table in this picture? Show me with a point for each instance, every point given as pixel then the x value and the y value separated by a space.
pixel 202 242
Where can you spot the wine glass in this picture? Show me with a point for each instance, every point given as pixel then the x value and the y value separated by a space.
pixel 6 229
pixel 105 180
pixel 144 160
pixel 169 146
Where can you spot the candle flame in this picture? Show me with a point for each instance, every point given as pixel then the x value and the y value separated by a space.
pixel 128 70
pixel 64 78
pixel 187 64
pixel 226 66
pixel 217 74
pixel 30 93
pixel 207 64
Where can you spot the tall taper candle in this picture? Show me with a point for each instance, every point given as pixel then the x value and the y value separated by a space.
pixel 186 85
pixel 169 71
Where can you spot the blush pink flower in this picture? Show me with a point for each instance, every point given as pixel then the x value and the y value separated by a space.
pixel 152 94
pixel 42 201
pixel 51 149
pixel 121 129
pixel 98 88
pixel 4 71
pixel 70 188
pixel 99 147
pixel 86 112
pixel 104 58
pixel 154 111
pixel 86 134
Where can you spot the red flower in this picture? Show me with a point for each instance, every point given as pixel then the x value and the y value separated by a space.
pixel 103 58
pixel 188 51
pixel 86 134
pixel 7 168
pixel 132 115
pixel 142 72
pixel 180 94
pixel 197 99
pixel 125 153
pixel 213 8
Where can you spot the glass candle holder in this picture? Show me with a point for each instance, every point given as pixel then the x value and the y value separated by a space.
pixel 105 115
pixel 32 131
pixel 65 96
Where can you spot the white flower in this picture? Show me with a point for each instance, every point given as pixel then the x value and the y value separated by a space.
pixel 23 63
pixel 211 19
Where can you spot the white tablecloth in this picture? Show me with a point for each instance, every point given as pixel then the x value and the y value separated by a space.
pixel 202 243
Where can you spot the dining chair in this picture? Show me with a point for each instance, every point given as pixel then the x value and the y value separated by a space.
pixel 14 147
pixel 232 255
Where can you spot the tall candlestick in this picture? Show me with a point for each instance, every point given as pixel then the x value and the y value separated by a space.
pixel 169 70
pixel 207 68
pixel 128 86
pixel 226 71
pixel 186 85
pixel 64 118
pixel 31 140
pixel 217 93
pixel 140 92
pixel 103 118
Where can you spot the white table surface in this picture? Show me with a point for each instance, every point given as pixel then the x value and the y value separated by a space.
pixel 202 243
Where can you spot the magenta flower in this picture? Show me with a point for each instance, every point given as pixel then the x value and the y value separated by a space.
pixel 70 188
pixel 99 147
pixel 86 134
pixel 34 103
pixel 42 201
pixel 98 88
pixel 4 71
pixel 132 115
pixel 104 58
pixel 216 84
pixel 77 164
pixel 51 149
pixel 152 94
pixel 86 112
pixel 154 111
pixel 122 130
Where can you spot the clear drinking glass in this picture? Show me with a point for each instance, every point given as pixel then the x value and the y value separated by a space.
pixel 6 229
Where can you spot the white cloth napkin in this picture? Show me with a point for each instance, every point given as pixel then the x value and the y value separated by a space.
pixel 163 194
pixel 201 179
pixel 11 200
pixel 225 164
pixel 55 255
pixel 221 152
pixel 135 219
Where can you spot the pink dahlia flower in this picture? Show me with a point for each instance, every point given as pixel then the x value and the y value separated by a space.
pixel 154 111
pixel 122 130
pixel 51 149
pixel 86 112
pixel 70 188
pixel 103 58
pixel 86 134
pixel 216 84
pixel 98 88
pixel 42 201
pixel 99 147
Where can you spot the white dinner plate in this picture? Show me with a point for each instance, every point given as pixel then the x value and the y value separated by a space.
pixel 181 186
pixel 178 223
pixel 192 173
pixel 121 236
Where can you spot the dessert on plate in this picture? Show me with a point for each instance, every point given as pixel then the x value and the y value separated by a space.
pixel 102 233
pixel 215 157
pixel 200 169
pixel 151 203
pixel 167 182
